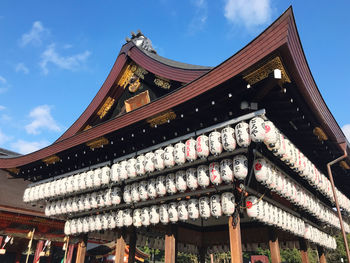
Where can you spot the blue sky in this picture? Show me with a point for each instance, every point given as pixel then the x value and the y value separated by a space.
pixel 55 55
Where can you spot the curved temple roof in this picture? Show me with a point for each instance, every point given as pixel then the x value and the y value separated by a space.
pixel 281 37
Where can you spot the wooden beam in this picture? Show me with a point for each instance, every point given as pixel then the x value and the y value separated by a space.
pixel 274 247
pixel 132 246
pixel 81 250
pixel 303 251
pixel 119 248
pixel 321 254
pixel 170 244
pixel 234 227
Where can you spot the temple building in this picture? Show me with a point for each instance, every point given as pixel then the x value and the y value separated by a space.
pixel 186 158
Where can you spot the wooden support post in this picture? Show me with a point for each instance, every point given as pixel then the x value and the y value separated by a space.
pixel 235 240
pixel 132 246
pixel 303 251
pixel 170 244
pixel 321 254
pixel 81 250
pixel 274 247
pixel 202 252
pixel 119 248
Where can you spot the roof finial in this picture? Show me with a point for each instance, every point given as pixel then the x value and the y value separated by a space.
pixel 141 41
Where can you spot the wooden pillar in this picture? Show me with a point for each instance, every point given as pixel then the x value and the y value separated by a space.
pixel 202 253
pixel 81 250
pixel 170 244
pixel 274 247
pixel 120 248
pixel 235 240
pixel 303 251
pixel 132 246
pixel 321 254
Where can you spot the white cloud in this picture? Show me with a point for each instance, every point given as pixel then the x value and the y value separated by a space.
pixel 3 138
pixel 73 62
pixel 200 16
pixel 3 80
pixel 248 13
pixel 21 67
pixel 2 107
pixel 35 35
pixel 25 147
pixel 346 130
pixel 42 119
pixel 3 84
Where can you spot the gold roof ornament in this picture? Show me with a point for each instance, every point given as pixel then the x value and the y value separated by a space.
pixel 162 82
pixel 97 143
pixel 131 76
pixel 161 118
pixel 263 71
pixel 14 170
pixel 321 135
pixel 51 159
pixel 105 107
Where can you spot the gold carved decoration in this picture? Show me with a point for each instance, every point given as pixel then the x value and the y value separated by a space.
pixel 51 159
pixel 161 82
pixel 161 118
pixel 87 127
pixel 97 143
pixel 322 136
pixel 13 170
pixel 137 101
pixel 344 165
pixel 263 72
pixel 105 107
pixel 132 74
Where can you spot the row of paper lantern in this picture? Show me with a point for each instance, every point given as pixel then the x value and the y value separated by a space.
pixel 273 178
pixel 192 178
pixel 160 159
pixel 204 207
pixel 297 161
pixel 272 215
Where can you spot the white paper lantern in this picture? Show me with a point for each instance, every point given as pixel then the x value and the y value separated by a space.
pixel 127 217
pixel 127 194
pixel 73 226
pixel 135 196
pixel 169 159
pixel 163 214
pixel 100 199
pixel 226 170
pixel 136 218
pixel 261 170
pixel 154 214
pixel 70 183
pixel 90 179
pixel 242 134
pixel 86 225
pixel 140 165
pixel 122 171
pixel 143 190
pixel 215 145
pixel 191 178
pixel 271 135
pixel 47 189
pixel 97 177
pixel 181 185
pixel 204 207
pixel 191 154
pixel 151 188
pixel 115 195
pixel 179 153
pixel 67 228
pixel 215 206
pixel 115 172
pixel 81 181
pixel 98 222
pixel 131 167
pixel 228 138
pixel 171 184
pixel 58 210
pixel 182 210
pixel 202 146
pixel 119 219
pixel 26 195
pixel 257 129
pixel 92 223
pixel 105 222
pixel 64 206
pixel 172 211
pixel 69 207
pixel 79 224
pixel 52 208
pixel 193 208
pixel 160 185
pixel 215 175
pixel 48 210
pixel 253 208
pixel 240 166
pixel 228 203
pixel 203 176
pixel 107 197
pixel 64 187
pixel 86 201
pixel 112 218
pixel 158 159
pixel 149 164
pixel 145 216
